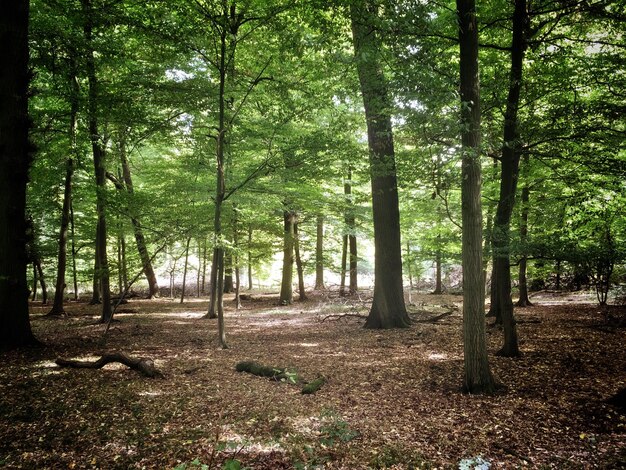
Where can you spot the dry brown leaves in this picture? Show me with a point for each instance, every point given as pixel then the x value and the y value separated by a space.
pixel 392 399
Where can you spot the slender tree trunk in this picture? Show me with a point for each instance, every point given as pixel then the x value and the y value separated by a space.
pixel 182 294
pixel 35 282
pixel 299 267
pixel 120 275
pixel 250 258
pixel 524 301
pixel 212 311
pixel 286 287
pixel 59 291
pixel 74 271
pixel 236 258
pixel 409 267
pixel 477 375
pixel 557 282
pixel 388 308
pixel 203 258
pixel 42 282
pixel 140 240
pixel 502 303
pixel 95 290
pixel 344 264
pixel 353 260
pixel 228 272
pixel 57 306
pixel 438 285
pixel 98 162
pixel 319 253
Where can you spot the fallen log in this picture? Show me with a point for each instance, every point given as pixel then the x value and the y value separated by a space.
pixel 314 386
pixel 275 373
pixel 144 365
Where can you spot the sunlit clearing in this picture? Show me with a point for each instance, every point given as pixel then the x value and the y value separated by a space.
pixel 245 444
pixel 437 357
pixel 187 314
pixel 309 345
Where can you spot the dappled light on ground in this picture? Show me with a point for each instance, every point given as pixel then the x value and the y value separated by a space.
pixel 391 398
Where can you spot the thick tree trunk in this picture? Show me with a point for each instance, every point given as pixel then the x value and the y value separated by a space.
pixel 501 303
pixel 286 287
pixel 319 253
pixel 477 377
pixel 388 308
pixel 15 159
pixel 299 267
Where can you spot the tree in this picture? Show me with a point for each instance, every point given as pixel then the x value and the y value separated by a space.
pixel 477 377
pixel 388 309
pixel 15 159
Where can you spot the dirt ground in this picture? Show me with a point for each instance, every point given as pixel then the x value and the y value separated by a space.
pixel 391 398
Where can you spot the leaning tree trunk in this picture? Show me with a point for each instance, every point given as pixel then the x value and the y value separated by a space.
pixel 286 288
pixel 477 376
pixel 501 302
pixel 388 308
pixel 15 159
pixel 140 240
pixel 98 163
pixel 319 253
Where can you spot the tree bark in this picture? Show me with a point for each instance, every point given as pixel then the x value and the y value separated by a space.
pixel 523 300
pixel 182 294
pixel 250 257
pixel 388 308
pixel 140 240
pixel 319 253
pixel 438 285
pixel 228 272
pixel 477 376
pixel 501 302
pixel 42 281
pixel 286 288
pixel 344 263
pixel 299 267
pixel 74 270
pixel 98 163
pixel 59 291
pixel 15 160
pixel 203 259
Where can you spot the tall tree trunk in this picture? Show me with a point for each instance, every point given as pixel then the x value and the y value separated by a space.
pixel 140 240
pixel 228 272
pixel 236 258
pixel 299 267
pixel 42 282
pixel 353 259
pixel 501 302
pixel 35 282
pixel 15 160
pixel 182 294
pixel 250 257
pixel 286 288
pixel 344 263
pixel 95 289
pixel 57 305
pixel 477 377
pixel 74 270
pixel 523 300
pixel 59 291
pixel 388 308
pixel 438 285
pixel 98 163
pixel 212 311
pixel 203 258
pixel 319 253
pixel 409 267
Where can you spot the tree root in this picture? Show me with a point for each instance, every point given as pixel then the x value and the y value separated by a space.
pixel 339 316
pixel 144 365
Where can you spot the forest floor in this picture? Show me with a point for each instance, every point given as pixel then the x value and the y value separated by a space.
pixel 392 398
